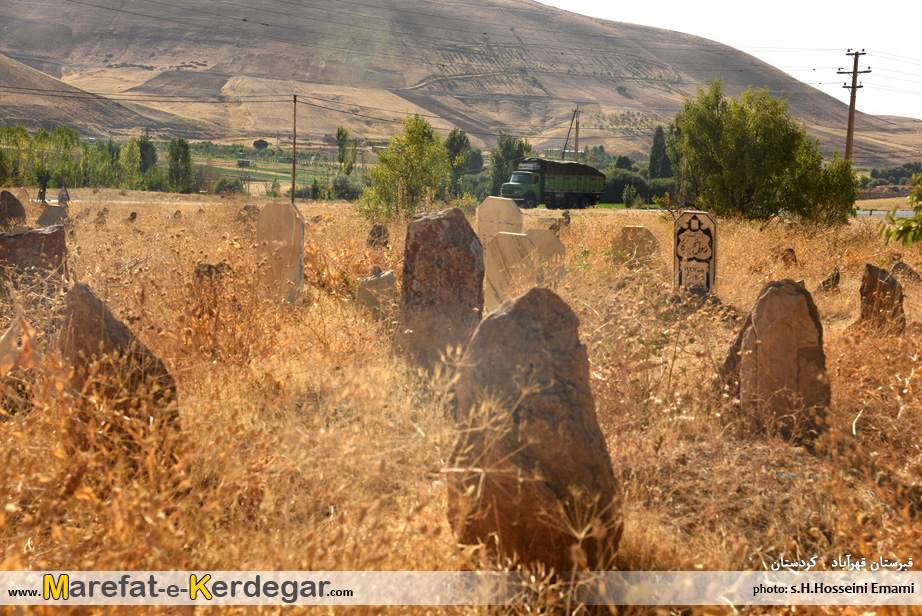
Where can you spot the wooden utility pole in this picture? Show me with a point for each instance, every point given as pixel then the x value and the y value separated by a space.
pixel 576 138
pixel 294 146
pixel 849 140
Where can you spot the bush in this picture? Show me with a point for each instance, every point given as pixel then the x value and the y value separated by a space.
pixel 229 187
pixel 346 187
pixel 618 179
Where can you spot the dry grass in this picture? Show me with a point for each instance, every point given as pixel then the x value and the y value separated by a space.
pixel 307 445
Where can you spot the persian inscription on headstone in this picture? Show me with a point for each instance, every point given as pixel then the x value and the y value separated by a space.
pixel 280 240
pixel 497 214
pixel 695 252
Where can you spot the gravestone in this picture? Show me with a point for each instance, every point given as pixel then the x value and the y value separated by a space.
pixel 53 215
pixel 441 299
pixel 280 241
pixel 904 272
pixel 551 255
pixel 637 244
pixel 881 302
pixel 378 237
pixel 247 214
pixel 132 217
pixel 110 362
pixel 548 223
pixel 376 293
pixel 695 258
pixel 530 455
pixel 511 268
pixel 63 196
pixel 495 215
pixel 12 212
pixel 34 251
pixel 777 365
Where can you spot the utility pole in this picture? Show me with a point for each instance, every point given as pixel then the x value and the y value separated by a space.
pixel 849 140
pixel 576 138
pixel 294 146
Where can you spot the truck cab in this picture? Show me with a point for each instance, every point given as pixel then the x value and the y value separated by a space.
pixel 524 187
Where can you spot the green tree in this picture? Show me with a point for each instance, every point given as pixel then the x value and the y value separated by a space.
pixel 180 169
pixel 660 166
pixel 505 158
pixel 350 158
pixel 148 153
pixel 624 162
pixel 750 157
pixel 129 163
pixel 342 142
pixel 413 168
pixel 6 168
pixel 458 147
pixel 907 231
pixel 260 144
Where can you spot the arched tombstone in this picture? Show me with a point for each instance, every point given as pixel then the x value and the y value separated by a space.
pixel 551 255
pixel 695 253
pixel 280 241
pixel 496 215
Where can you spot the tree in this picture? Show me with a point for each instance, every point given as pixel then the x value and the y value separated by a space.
pixel 342 141
pixel 476 164
pixel 414 167
pixel 505 158
pixel 458 147
pixel 624 162
pixel 908 231
pixel 750 157
pixel 350 158
pixel 148 153
pixel 180 169
pixel 659 161
pixel 129 163
pixel 260 144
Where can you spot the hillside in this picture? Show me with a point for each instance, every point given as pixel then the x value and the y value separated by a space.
pixel 510 65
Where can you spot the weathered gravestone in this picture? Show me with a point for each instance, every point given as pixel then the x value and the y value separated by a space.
pixel 247 215
pixel 904 272
pixel 378 237
pixel 695 257
pixel 441 299
pixel 511 264
pixel 777 365
pixel 63 196
pixel 530 467
pixel 551 255
pixel 881 302
pixel 636 244
pixel 495 215
pixel 280 241
pixel 830 283
pixel 54 215
pixel 109 362
pixel 376 293
pixel 12 212
pixel 34 251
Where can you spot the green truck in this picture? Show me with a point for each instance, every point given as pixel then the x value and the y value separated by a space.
pixel 554 183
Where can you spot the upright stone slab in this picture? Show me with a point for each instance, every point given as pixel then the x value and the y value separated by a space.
pixel 376 293
pixel 636 243
pixel 110 362
pixel 53 215
pixel 280 240
pixel 247 215
pixel 441 298
pixel 881 302
pixel 12 212
pixel 378 237
pixel 551 255
pixel 530 462
pixel 695 254
pixel 497 214
pixel 777 364
pixel 34 251
pixel 512 265
pixel 63 196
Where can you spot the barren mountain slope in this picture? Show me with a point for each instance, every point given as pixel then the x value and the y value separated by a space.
pixel 487 66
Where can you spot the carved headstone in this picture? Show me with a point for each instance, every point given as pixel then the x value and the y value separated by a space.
pixel 636 244
pixel 378 237
pixel 495 215
pixel 110 362
pixel 280 241
pixel 530 467
pixel 695 259
pixel 881 302
pixel 511 264
pixel 777 365
pixel 12 212
pixel 551 255
pixel 34 251
pixel 53 215
pixel 441 299
pixel 376 293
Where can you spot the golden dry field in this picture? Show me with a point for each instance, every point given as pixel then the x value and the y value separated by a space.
pixel 306 445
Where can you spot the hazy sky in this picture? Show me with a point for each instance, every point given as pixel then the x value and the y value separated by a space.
pixel 807 39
